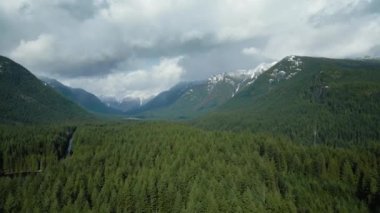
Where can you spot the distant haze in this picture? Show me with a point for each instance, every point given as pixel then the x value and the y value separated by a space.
pixel 138 48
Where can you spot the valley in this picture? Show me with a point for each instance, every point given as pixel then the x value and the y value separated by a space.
pixel 300 135
pixel 190 106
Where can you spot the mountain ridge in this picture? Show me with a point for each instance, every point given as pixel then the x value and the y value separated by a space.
pixel 311 98
pixel 24 98
pixel 85 99
pixel 188 100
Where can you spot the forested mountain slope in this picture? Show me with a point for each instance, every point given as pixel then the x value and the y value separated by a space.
pixel 83 98
pixel 191 99
pixel 315 100
pixel 24 98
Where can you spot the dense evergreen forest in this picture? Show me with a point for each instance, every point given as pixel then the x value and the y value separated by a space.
pixel 163 167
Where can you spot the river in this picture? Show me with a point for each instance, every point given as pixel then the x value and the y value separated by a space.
pixel 70 147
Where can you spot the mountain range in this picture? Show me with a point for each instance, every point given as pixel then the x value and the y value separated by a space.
pixel 124 105
pixel 305 98
pixel 83 98
pixel 188 100
pixel 185 100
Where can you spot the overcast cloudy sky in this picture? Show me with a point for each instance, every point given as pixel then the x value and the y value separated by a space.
pixel 141 47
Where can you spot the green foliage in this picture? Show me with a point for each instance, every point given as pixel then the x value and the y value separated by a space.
pixel 161 167
pixel 29 149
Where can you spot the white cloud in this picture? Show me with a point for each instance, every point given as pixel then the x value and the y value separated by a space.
pixel 250 51
pixel 134 84
pixel 89 38
pixel 32 52
pixel 350 39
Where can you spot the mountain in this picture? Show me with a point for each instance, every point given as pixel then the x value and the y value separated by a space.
pixel 164 100
pixel 124 105
pixel 83 98
pixel 191 99
pixel 24 98
pixel 313 99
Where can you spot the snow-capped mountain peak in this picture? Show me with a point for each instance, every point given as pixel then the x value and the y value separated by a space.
pixel 238 79
pixel 292 66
